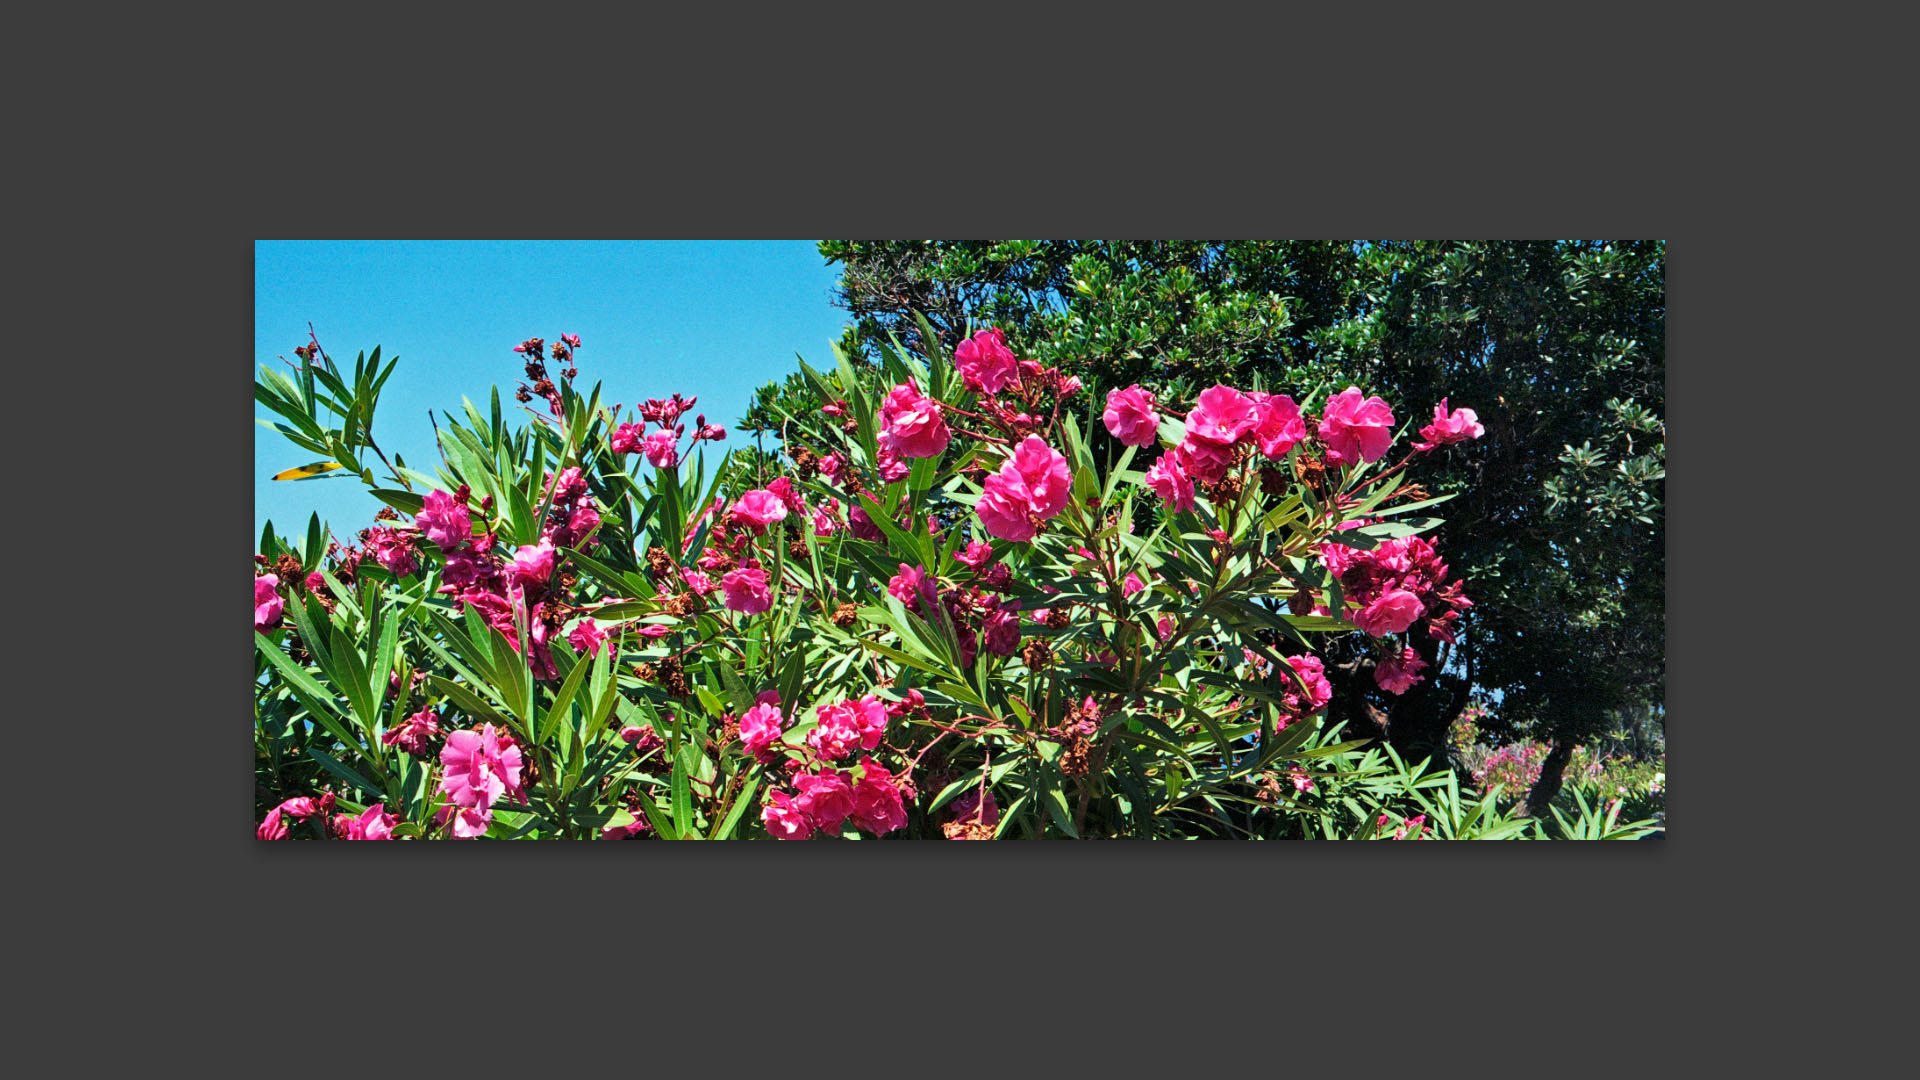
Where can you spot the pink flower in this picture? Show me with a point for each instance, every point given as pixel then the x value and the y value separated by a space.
pixel 830 467
pixel 444 521
pixel 1397 674
pixel 914 426
pixel 700 583
pixel 662 448
pixel 759 508
pixel 271 827
pixel 1130 416
pixel 479 769
pixel 1002 632
pixel 1313 672
pixel 1222 416
pixel 823 523
pixel 891 466
pixel 1204 460
pixel 985 363
pixel 1393 612
pixel 760 729
pixel 412 734
pixel 747 590
pixel 910 586
pixel 870 720
pixel 267 604
pixel 1132 585
pixel 825 798
pixel 626 438
pixel 1031 487
pixel 837 734
pixel 468 821
pixel 1460 426
pixel 971 805
pixel 587 636
pixel 374 824
pixel 862 526
pixel 976 554
pixel 1302 783
pixel 1354 429
pixel 782 489
pixel 533 564
pixel 1168 478
pixel 1277 424
pixel 877 807
pixel 784 820
pixel 653 630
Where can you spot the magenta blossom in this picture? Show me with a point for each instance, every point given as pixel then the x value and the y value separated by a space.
pixel 985 363
pixel 533 563
pixel 971 806
pixel 877 806
pixel 1168 478
pixel 760 730
pixel 1396 673
pixel 374 824
pixel 746 590
pixel 412 734
pixel 825 798
pixel 1204 460
pixel 662 448
pixel 267 604
pixel 587 637
pixel 835 736
pixel 480 767
pixel 976 554
pixel 1222 416
pixel 759 508
pixel 1130 416
pixel 784 820
pixel 444 520
pixel 910 586
pixel 1393 612
pixel 626 438
pixel 1354 428
pixel 1459 426
pixel 271 827
pixel 1277 424
pixel 1031 487
pixel 914 424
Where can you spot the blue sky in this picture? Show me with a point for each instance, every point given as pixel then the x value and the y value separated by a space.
pixel 714 319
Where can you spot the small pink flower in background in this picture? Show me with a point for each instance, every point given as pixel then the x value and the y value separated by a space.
pixel 587 637
pixel 862 526
pixel 970 805
pixel 782 489
pixel 316 581
pixel 1168 478
pixel 1393 612
pixel 910 586
pixel 626 438
pixel 1132 585
pixel 1277 424
pixel 1302 783
pixel 785 820
pixel 1031 487
pixel 760 729
pixel 985 363
pixel 746 590
pixel 267 604
pixel 480 767
pixel 374 824
pixel 976 554
pixel 913 424
pixel 469 822
pixel 1397 674
pixel 1069 385
pixel 1355 428
pixel 824 797
pixel 271 827
pixel 830 467
pixel 1221 416
pixel 877 806
pixel 1130 416
pixel 1418 823
pixel 653 630
pixel 444 520
pixel 533 563
pixel 1459 426
pixel 700 583
pixel 891 466
pixel 1164 627
pixel 1312 671
pixel 412 734
pixel 300 806
pixel 759 508
pixel 823 523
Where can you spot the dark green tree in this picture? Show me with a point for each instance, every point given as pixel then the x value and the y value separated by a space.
pixel 1558 346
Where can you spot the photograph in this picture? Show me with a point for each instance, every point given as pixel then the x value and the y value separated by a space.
pixel 804 540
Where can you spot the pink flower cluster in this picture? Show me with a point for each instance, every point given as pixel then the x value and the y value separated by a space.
pixel 1395 584
pixel 825 799
pixel 267 602
pixel 912 426
pixel 1398 671
pixel 1355 428
pixel 1032 486
pixel 662 445
pixel 1296 704
pixel 1222 421
pixel 412 734
pixel 374 823
pixel 1457 426
pixel 479 767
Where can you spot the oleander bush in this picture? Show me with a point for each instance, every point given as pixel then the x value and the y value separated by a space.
pixel 933 612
